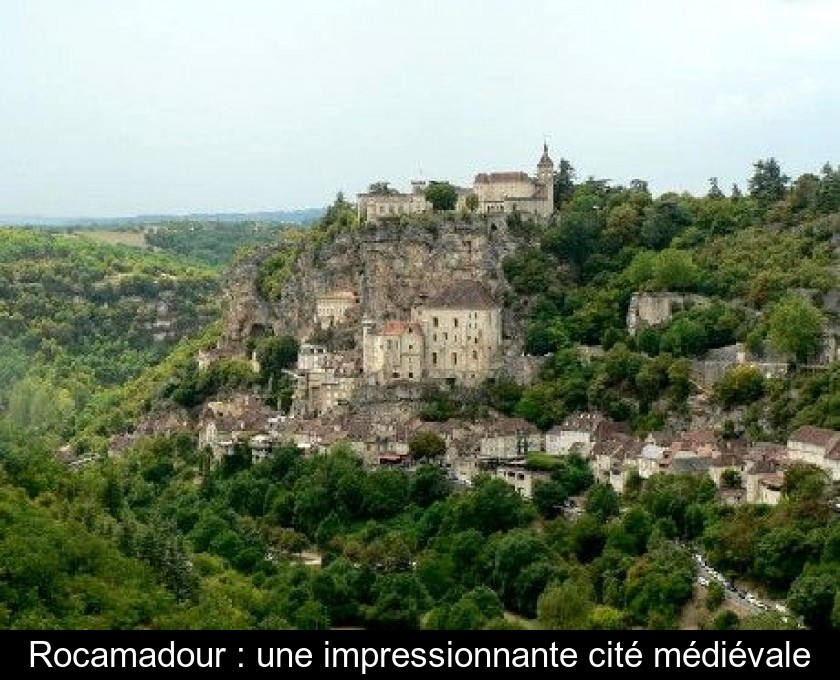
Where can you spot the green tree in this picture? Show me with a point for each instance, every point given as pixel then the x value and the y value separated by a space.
pixel 795 326
pixel 567 605
pixel 602 502
pixel 564 183
pixel 426 445
pixel 715 595
pixel 442 195
pixel 739 385
pixel 714 190
pixel 812 596
pixel 472 202
pixel 768 184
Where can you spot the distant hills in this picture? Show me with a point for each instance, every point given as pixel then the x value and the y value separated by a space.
pixel 300 216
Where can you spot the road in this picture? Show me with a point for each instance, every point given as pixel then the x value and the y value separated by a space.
pixel 744 599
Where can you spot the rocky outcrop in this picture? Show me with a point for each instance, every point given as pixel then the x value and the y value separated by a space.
pixel 392 267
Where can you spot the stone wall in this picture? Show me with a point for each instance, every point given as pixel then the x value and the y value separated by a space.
pixel 656 309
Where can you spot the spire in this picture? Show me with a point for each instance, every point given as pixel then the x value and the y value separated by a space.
pixel 545 161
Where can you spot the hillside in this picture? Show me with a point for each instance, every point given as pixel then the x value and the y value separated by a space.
pixel 77 316
pixel 221 531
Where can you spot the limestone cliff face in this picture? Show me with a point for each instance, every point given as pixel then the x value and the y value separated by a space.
pixel 390 267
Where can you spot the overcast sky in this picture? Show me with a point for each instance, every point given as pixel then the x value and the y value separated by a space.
pixel 117 108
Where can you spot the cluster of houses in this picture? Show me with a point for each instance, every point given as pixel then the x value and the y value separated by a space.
pixel 744 472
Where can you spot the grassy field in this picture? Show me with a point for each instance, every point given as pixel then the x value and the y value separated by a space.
pixel 136 239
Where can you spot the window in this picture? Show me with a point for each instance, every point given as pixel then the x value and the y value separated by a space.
pixel 446 336
pixel 434 337
pixel 395 374
pixel 454 358
pixel 434 358
pixel 410 374
pixel 475 355
pixel 455 323
pixel 435 321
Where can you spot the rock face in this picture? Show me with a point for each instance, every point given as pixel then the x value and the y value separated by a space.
pixel 391 267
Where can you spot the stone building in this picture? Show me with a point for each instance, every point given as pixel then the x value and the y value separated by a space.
pixel 395 350
pixel 331 308
pixel 657 309
pixel 455 336
pixel 463 331
pixel 323 380
pixel 497 193
pixel 509 192
pixel 816 446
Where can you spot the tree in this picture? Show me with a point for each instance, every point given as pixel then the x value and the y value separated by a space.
pixel 549 497
pixel 806 483
pixel 426 445
pixel 768 184
pixel 472 202
pixel 715 595
pixel 731 479
pixel 739 385
pixel 812 596
pixel 442 195
pixel 275 353
pixel 566 606
pixel 602 502
pixel 795 326
pixel 380 188
pixel 714 190
pixel 737 194
pixel 427 485
pixel 564 183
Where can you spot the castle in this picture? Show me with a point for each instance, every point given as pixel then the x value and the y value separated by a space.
pixel 495 193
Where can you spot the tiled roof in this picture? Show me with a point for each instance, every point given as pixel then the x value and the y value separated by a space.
pixel 494 177
pixel 463 294
pixel 401 328
pixel 817 436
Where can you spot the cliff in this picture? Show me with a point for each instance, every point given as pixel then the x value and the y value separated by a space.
pixel 389 266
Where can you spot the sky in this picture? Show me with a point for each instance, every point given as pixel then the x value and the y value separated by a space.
pixel 176 106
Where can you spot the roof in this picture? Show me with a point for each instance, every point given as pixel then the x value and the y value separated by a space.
pixel 463 294
pixel 773 481
pixel 818 436
pixel 500 177
pixel 689 465
pixel 401 328
pixel 338 295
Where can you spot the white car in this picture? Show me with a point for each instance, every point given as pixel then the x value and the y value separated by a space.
pixel 702 580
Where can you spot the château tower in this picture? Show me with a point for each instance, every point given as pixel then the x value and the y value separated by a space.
pixel 545 176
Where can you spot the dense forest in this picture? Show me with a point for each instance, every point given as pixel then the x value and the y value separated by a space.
pixel 77 316
pixel 222 547
pixel 199 549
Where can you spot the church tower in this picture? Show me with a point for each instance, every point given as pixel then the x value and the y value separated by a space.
pixel 545 176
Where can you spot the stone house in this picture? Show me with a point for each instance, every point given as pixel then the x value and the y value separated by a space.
pixel 763 482
pixel 332 308
pixel 657 309
pixel 323 380
pixel 510 438
pixel 816 446
pixel 520 478
pixel 652 460
pixel 578 432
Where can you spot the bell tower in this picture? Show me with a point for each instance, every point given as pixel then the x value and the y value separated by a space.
pixel 545 176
